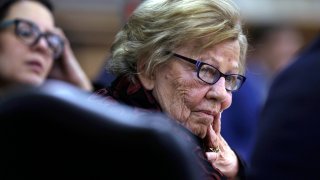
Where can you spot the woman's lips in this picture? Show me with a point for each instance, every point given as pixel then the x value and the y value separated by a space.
pixel 210 113
pixel 35 66
pixel 207 114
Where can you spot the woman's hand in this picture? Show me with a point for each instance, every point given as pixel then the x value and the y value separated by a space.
pixel 223 158
pixel 67 68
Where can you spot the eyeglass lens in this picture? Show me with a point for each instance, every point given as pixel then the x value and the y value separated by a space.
pixel 211 75
pixel 31 34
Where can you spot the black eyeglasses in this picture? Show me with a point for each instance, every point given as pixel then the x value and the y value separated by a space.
pixel 210 75
pixel 30 34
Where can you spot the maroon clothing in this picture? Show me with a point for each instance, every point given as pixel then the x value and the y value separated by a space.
pixel 133 94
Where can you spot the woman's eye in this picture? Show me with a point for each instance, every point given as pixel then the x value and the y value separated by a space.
pixel 230 79
pixel 26 32
pixel 207 72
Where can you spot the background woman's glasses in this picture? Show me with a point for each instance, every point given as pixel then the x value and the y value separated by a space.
pixel 30 34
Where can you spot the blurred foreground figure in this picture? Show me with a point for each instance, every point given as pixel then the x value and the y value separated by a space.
pixel 288 145
pixel 273 47
pixel 55 132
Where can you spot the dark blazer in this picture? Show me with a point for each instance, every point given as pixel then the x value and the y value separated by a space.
pixel 288 142
pixel 56 132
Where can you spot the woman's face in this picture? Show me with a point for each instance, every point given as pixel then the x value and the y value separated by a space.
pixel 186 98
pixel 20 63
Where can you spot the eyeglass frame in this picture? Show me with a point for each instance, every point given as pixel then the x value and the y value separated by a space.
pixel 199 64
pixel 16 21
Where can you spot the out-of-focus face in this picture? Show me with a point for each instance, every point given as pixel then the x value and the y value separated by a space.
pixel 280 48
pixel 182 95
pixel 20 63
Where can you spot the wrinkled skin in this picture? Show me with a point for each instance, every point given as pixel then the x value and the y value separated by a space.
pixel 195 104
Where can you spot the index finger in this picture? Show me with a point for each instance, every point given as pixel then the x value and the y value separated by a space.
pixel 216 124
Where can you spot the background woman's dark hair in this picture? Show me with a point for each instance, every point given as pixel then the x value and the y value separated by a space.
pixel 6 4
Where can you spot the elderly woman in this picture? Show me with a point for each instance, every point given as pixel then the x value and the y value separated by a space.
pixel 32 48
pixel 184 58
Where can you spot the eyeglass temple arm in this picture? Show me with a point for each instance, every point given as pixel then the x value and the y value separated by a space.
pixel 5 24
pixel 197 63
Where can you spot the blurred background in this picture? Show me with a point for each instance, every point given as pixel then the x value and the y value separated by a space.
pixel 92 25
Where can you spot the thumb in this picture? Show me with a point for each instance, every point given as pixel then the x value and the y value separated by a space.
pixel 212 156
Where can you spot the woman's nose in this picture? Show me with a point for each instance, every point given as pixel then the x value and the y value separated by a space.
pixel 218 90
pixel 42 46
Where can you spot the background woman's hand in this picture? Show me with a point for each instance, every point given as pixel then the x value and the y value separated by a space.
pixel 67 67
pixel 225 159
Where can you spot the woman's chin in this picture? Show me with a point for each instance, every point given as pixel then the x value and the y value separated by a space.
pixel 200 131
pixel 32 80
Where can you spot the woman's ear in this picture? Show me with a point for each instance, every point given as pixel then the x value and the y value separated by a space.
pixel 146 80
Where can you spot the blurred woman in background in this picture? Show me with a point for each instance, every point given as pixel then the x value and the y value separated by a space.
pixel 33 49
